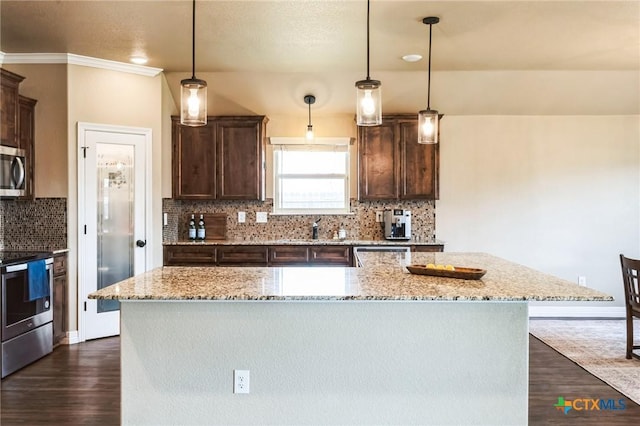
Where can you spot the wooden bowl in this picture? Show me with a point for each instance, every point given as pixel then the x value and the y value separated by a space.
pixel 458 272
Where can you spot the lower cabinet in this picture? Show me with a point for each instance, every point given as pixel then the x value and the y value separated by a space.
pixel 243 255
pixel 189 255
pixel 59 298
pixel 330 255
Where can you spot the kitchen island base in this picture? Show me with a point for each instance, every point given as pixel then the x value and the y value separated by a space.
pixel 325 362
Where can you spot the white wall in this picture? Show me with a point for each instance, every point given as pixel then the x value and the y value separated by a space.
pixel 557 193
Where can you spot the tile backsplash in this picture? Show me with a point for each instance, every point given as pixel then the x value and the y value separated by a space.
pixel 360 225
pixel 39 224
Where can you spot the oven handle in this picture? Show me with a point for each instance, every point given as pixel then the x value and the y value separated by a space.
pixel 23 266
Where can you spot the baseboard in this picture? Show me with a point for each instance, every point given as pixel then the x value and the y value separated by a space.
pixel 576 312
pixel 72 338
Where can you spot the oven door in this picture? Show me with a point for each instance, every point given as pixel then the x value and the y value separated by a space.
pixel 19 314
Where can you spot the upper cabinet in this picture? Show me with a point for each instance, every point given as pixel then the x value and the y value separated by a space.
pixel 9 84
pixel 391 163
pixel 26 136
pixel 223 160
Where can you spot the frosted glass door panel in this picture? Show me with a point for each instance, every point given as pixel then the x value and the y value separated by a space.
pixel 115 210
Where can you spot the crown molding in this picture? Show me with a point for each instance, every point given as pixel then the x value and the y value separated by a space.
pixel 72 59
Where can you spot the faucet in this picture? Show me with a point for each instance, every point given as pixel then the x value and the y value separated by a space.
pixel 314 229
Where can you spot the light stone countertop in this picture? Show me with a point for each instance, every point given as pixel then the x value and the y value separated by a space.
pixel 306 242
pixel 382 277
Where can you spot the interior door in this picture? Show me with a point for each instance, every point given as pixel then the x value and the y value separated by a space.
pixel 112 242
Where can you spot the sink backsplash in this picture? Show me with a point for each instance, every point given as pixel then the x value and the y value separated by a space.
pixel 361 225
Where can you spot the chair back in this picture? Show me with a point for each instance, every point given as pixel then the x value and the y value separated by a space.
pixel 630 269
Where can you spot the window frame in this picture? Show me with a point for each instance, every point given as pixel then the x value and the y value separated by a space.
pixel 278 176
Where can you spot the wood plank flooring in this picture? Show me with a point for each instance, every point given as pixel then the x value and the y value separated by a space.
pixel 80 385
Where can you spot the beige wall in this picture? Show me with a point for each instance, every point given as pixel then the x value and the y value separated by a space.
pixel 558 193
pixel 109 97
pixel 48 85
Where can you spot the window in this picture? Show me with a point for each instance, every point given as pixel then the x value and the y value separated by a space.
pixel 311 179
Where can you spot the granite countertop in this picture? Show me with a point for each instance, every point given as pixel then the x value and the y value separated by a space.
pixel 382 277
pixel 306 242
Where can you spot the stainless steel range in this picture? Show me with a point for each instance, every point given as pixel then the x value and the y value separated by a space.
pixel 27 310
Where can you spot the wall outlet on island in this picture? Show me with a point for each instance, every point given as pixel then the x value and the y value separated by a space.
pixel 240 381
pixel 582 281
pixel 379 216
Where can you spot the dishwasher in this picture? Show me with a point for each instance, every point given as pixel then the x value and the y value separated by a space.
pixel 406 260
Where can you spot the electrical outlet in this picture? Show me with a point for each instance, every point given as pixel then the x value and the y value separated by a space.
pixel 242 217
pixel 261 217
pixel 240 381
pixel 165 219
pixel 582 281
pixel 379 217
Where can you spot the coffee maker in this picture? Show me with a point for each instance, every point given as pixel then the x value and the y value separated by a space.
pixel 397 224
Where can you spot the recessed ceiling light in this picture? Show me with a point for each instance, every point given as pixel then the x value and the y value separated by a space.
pixel 139 60
pixel 414 57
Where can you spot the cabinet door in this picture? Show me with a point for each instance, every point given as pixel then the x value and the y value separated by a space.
pixel 240 142
pixel 193 161
pixel 330 255
pixel 26 130
pixel 243 256
pixel 377 162
pixel 191 255
pixel 288 255
pixel 9 83
pixel 59 298
pixel 418 164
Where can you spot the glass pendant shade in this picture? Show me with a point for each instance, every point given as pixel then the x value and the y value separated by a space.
pixel 368 103
pixel 309 134
pixel 193 102
pixel 428 123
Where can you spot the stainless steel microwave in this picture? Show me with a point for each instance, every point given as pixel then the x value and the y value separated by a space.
pixel 12 171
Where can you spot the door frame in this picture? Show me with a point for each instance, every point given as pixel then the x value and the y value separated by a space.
pixel 84 127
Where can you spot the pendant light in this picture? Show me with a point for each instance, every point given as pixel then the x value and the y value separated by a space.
pixel 193 92
pixel 428 119
pixel 309 100
pixel 368 95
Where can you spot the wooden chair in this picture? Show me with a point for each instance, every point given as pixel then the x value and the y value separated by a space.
pixel 630 274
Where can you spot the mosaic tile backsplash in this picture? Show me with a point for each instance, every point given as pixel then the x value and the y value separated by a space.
pixel 40 224
pixel 361 225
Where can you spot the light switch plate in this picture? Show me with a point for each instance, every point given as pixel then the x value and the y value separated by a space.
pixel 261 217
pixel 242 217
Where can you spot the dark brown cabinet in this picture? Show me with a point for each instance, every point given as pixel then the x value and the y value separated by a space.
pixel 189 255
pixel 330 255
pixel 223 160
pixel 59 298
pixel 243 256
pixel 9 87
pixel 391 163
pixel 26 132
pixel 288 255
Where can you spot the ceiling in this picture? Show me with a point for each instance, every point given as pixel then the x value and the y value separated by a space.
pixel 328 37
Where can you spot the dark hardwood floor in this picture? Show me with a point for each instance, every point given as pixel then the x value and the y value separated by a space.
pixel 80 385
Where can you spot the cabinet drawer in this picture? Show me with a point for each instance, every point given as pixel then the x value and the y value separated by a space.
pixel 243 256
pixel 187 255
pixel 334 255
pixel 287 255
pixel 59 265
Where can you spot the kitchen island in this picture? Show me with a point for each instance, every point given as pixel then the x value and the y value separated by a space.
pixel 369 345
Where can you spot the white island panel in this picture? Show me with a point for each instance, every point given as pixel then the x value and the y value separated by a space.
pixel 325 362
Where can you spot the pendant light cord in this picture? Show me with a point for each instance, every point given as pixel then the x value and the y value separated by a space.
pixel 429 72
pixel 193 41
pixel 309 113
pixel 368 7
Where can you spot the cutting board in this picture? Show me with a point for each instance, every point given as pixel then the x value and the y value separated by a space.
pixel 215 225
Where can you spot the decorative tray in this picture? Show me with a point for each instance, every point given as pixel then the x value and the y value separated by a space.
pixel 457 272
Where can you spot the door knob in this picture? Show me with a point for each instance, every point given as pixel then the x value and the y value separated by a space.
pixel 141 243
